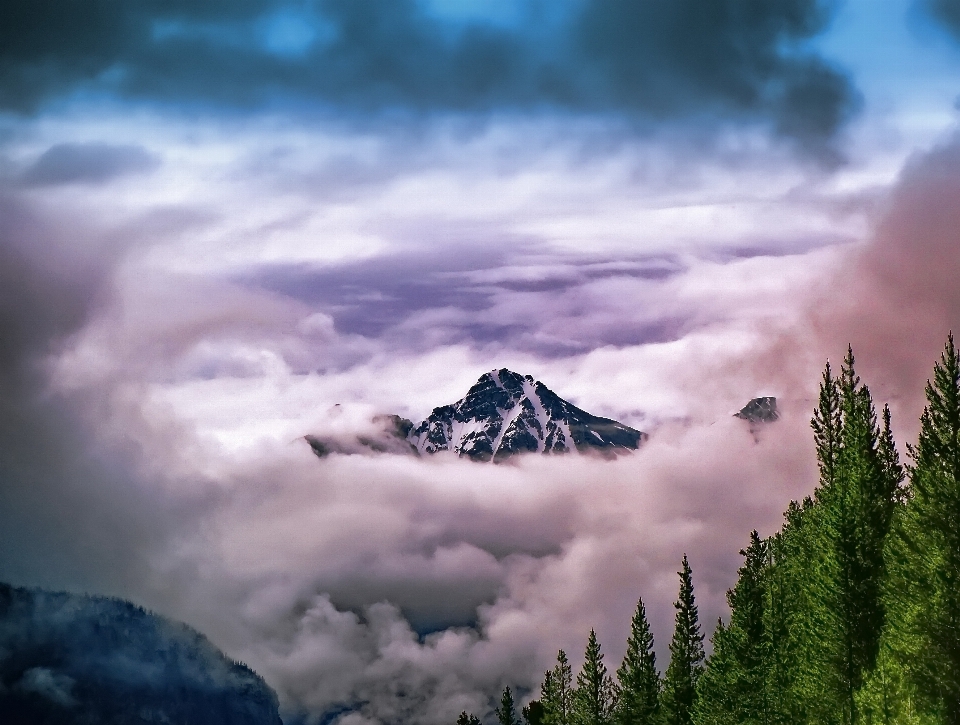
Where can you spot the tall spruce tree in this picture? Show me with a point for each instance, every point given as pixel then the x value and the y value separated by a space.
pixel 639 682
pixel 813 645
pixel 507 712
pixel 826 424
pixel 595 696
pixel 866 500
pixel 686 655
pixel 859 484
pixel 799 620
pixel 890 460
pixel 928 597
pixel 556 693
pixel 734 687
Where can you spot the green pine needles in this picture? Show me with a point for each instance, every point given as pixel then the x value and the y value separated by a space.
pixel 595 696
pixel 637 678
pixel 849 615
pixel 507 713
pixel 686 655
pixel 556 693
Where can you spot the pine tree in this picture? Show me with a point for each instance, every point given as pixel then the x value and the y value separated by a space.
pixel 506 713
pixel 799 621
pixel 556 693
pixel 595 696
pixel 826 426
pixel 717 702
pixel 890 460
pixel 928 595
pixel 746 602
pixel 734 686
pixel 860 480
pixel 864 506
pixel 637 676
pixel 534 713
pixel 686 655
pixel 467 719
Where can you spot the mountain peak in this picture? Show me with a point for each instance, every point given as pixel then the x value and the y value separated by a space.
pixel 505 413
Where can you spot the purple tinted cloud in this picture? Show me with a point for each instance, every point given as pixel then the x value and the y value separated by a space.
pixel 478 298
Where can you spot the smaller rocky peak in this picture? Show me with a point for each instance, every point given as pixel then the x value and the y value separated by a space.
pixel 759 410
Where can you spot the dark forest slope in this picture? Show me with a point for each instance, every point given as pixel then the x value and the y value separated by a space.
pixel 70 659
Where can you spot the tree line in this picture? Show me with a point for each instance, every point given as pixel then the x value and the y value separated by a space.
pixel 849 615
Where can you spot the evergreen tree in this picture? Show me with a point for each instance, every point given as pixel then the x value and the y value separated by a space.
pixel 826 426
pixel 637 676
pixel 556 693
pixel 890 459
pixel 746 602
pixel 835 621
pixel 717 702
pixel 467 719
pixel 864 503
pixel 533 714
pixel 845 569
pixel 595 696
pixel 506 713
pixel 799 620
pixel 686 655
pixel 928 595
pixel 734 687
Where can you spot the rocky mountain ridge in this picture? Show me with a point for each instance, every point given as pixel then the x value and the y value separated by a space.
pixel 505 413
pixel 760 410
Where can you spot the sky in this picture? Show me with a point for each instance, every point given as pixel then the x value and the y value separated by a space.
pixel 227 225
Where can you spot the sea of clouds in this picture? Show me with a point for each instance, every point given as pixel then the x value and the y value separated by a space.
pixel 185 293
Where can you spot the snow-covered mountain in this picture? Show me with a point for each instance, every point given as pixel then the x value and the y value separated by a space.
pixel 505 413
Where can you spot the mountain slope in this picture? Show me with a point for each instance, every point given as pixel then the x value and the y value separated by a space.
pixel 506 413
pixel 71 659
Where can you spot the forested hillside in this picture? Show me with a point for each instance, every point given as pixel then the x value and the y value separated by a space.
pixel 849 614
pixel 68 659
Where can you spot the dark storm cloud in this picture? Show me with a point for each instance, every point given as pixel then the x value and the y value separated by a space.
pixel 947 12
pixel 679 58
pixel 71 163
pixel 649 61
